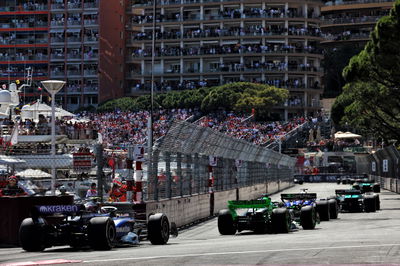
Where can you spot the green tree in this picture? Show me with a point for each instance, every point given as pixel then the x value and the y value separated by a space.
pixel 243 96
pixel 371 98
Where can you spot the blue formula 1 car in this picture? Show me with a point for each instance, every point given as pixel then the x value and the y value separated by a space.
pixel 307 210
pixel 74 225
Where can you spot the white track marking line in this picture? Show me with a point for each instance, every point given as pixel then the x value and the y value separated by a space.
pixel 239 252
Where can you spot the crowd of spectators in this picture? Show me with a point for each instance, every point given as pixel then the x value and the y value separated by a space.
pixel 121 129
pixel 225 13
pixel 207 32
pixel 242 127
pixel 227 49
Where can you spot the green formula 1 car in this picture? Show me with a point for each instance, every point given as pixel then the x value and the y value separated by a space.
pixel 365 185
pixel 260 216
pixel 352 200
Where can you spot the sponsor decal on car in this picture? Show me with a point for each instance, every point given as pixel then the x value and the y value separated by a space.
pixel 125 229
pixel 47 209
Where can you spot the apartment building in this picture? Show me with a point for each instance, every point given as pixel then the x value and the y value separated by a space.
pixel 210 42
pixel 24 42
pixel 351 22
pixel 346 27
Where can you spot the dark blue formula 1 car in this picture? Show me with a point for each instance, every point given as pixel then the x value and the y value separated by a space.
pixel 109 226
pixel 307 210
pixel 302 208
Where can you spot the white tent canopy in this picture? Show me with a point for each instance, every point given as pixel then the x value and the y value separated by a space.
pixel 346 135
pixel 33 111
pixel 33 173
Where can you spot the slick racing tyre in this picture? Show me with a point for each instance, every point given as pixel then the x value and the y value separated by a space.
pixel 158 229
pixel 377 202
pixel 226 225
pixel 32 235
pixel 370 203
pixel 323 210
pixel 376 188
pixel 281 221
pixel 101 233
pixel 333 208
pixel 308 217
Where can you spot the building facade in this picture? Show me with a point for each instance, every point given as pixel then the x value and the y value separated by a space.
pixel 204 43
pixel 24 43
pixel 351 22
pixel 346 27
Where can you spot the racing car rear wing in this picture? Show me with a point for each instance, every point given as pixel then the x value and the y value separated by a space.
pixel 347 192
pixel 299 196
pixel 49 210
pixel 246 204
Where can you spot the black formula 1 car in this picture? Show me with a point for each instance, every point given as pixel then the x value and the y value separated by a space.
pixel 352 200
pixel 73 225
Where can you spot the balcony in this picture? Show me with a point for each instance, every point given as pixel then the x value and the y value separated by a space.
pixel 57 74
pixel 74 39
pixel 91 22
pixel 57 23
pixel 74 23
pixel 92 56
pixel 54 40
pixel 90 73
pixel 57 6
pixel 91 90
pixel 90 39
pixel 74 6
pixel 57 57
pixel 339 21
pixel 71 73
pixel 74 56
pixel 93 5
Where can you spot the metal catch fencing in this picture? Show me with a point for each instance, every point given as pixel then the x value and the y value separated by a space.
pixel 193 160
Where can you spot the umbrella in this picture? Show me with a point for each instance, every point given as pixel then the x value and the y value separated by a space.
pixel 346 135
pixel 33 173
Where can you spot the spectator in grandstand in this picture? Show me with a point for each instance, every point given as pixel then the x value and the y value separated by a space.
pixel 12 188
pixel 118 192
pixel 92 191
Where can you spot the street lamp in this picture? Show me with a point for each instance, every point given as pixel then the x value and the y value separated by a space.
pixel 53 86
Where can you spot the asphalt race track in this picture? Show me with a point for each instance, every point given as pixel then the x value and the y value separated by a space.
pixel 353 238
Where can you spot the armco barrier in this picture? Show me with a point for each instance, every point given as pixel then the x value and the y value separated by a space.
pixel 15 209
pixel 185 210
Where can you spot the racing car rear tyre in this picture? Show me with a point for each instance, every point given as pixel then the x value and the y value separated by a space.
pixel 281 221
pixel 377 202
pixel 32 235
pixel 323 210
pixel 333 209
pixel 308 217
pixel 101 233
pixel 158 229
pixel 226 225
pixel 376 188
pixel 369 203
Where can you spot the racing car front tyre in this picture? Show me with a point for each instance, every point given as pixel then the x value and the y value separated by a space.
pixel 333 209
pixel 158 229
pixel 32 235
pixel 376 188
pixel 308 217
pixel 378 202
pixel 101 233
pixel 369 203
pixel 281 221
pixel 323 210
pixel 226 225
